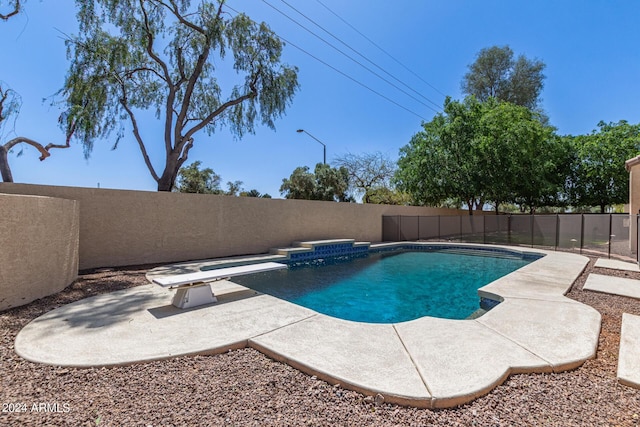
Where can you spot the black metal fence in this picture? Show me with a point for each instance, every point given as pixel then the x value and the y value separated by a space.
pixel 599 234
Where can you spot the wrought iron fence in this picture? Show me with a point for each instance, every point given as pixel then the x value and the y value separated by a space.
pixel 598 234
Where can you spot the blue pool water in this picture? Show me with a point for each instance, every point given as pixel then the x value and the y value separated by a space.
pixel 387 287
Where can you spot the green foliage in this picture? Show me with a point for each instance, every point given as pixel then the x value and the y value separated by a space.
pixel 325 183
pixel 255 193
pixel 440 162
pixel 234 188
pixel 386 196
pixel 10 103
pixel 495 74
pixel 167 56
pixel 192 179
pixel 523 161
pixel 599 177
pixel 483 152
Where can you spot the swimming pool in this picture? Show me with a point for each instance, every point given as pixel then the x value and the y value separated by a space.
pixel 390 286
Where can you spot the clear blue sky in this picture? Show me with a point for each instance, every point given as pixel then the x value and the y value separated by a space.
pixel 591 50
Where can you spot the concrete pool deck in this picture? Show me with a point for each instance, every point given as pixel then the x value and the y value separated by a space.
pixel 427 362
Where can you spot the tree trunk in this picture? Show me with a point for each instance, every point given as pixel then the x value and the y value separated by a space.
pixel 5 170
pixel 167 180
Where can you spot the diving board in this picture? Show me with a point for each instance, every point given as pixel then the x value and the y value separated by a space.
pixel 193 289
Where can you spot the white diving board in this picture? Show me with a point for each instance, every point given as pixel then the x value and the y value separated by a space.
pixel 193 289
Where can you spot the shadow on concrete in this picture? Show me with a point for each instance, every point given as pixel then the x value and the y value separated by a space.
pixel 103 310
pixel 171 310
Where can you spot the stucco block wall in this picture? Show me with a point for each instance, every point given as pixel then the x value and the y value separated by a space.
pixel 121 227
pixel 634 199
pixel 39 239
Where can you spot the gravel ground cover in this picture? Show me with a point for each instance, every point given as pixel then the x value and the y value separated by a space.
pixel 244 387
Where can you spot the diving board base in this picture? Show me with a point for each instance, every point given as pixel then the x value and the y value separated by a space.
pixel 193 290
pixel 194 296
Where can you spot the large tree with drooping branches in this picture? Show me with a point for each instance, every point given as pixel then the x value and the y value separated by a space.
pixel 173 57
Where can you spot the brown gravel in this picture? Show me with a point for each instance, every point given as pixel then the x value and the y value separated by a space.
pixel 244 387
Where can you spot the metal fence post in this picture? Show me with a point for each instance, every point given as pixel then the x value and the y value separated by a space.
pixel 531 223
pixel 484 230
pixel 557 232
pixel 610 230
pixel 581 232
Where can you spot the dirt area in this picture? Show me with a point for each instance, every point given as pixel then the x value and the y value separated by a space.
pixel 244 387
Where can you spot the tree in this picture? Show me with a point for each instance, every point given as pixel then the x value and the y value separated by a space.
pixel 599 176
pixel 15 7
pixel 387 196
pixel 440 163
pixel 523 161
pixel 367 172
pixel 234 188
pixel 10 108
pixel 325 183
pixel 192 179
pixel 255 193
pixel 483 152
pixel 165 55
pixel 496 74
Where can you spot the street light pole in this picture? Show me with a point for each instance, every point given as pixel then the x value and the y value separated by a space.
pixel 324 147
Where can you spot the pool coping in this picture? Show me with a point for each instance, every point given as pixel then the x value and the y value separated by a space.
pixel 535 328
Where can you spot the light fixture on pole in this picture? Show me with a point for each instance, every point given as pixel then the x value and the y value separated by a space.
pixel 324 147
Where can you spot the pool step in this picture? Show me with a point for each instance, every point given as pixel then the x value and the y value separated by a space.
pixel 322 248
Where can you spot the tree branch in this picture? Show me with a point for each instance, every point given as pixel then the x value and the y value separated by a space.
pixel 172 89
pixel 129 73
pixel 180 61
pixel 136 133
pixel 220 110
pixel 174 9
pixel 44 150
pixel 5 94
pixel 186 99
pixel 13 13
pixel 185 152
pixel 195 75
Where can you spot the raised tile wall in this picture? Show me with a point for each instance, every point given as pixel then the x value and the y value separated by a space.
pixel 331 250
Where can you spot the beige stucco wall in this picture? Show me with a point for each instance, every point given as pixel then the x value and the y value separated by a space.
pixel 38 247
pixel 120 227
pixel 633 167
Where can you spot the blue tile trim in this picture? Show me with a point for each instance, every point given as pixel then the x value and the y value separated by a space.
pixel 347 249
pixel 487 303
pixel 332 250
pixel 455 248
